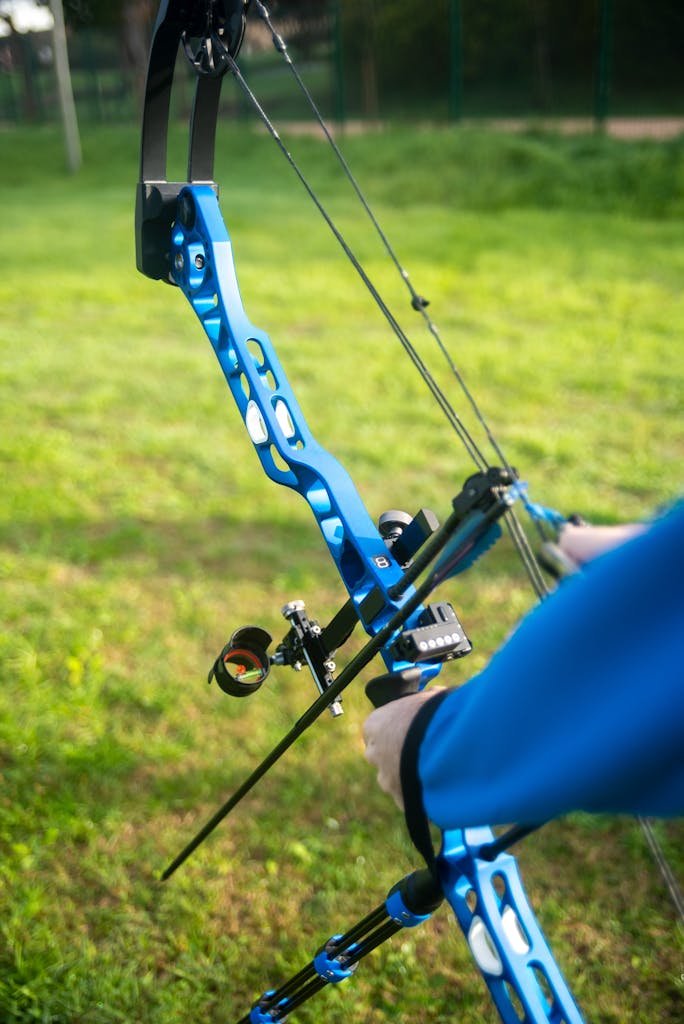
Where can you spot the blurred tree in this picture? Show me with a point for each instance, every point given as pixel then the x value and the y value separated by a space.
pixel 649 46
pixel 93 13
pixel 21 56
pixel 538 54
pixel 520 56
pixel 304 24
pixel 136 24
pixel 132 21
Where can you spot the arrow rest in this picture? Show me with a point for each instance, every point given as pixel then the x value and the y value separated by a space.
pixel 405 534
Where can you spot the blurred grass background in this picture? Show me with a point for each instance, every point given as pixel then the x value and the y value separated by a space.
pixel 137 531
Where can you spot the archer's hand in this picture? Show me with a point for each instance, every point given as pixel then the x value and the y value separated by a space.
pixel 384 732
pixel 582 543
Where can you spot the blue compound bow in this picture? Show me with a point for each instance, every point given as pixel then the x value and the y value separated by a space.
pixel 390 571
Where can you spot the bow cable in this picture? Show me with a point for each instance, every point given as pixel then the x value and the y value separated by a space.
pixel 469 442
pixel 515 530
pixel 418 301
pixel 667 874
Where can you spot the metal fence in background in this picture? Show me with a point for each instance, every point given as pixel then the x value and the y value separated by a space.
pixel 454 59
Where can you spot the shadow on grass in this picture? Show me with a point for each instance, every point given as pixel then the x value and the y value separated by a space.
pixel 167 546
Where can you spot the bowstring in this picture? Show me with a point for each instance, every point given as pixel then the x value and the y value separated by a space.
pixel 516 532
pixel 660 857
pixel 419 304
pixel 464 434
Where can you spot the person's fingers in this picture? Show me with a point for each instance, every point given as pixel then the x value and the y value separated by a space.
pixel 384 732
pixel 583 543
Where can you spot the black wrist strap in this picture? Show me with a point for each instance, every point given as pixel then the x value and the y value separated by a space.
pixel 411 786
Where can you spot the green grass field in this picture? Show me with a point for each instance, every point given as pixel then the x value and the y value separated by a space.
pixel 137 531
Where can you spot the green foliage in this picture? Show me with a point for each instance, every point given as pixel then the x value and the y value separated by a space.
pixel 577 173
pixel 101 13
pixel 137 531
pixel 523 56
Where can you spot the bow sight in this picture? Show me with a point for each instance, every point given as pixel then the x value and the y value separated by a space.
pixel 470 529
pixel 244 662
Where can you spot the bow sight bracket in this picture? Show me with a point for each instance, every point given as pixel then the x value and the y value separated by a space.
pixel 210 33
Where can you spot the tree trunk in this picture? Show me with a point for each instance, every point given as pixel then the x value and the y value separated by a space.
pixel 542 63
pixel 136 24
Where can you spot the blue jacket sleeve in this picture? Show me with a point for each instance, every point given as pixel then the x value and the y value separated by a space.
pixel 581 709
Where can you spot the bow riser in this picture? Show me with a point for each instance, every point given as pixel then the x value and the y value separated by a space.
pixel 203 267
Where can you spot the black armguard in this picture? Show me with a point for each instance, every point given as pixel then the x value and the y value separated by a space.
pixel 411 786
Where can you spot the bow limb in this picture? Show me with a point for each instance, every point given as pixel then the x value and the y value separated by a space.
pixel 502 931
